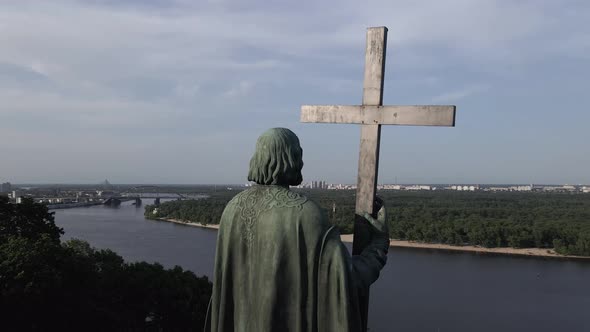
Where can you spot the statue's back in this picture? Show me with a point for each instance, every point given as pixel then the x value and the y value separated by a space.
pixel 273 251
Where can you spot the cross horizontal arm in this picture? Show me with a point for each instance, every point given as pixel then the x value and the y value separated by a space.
pixel 433 115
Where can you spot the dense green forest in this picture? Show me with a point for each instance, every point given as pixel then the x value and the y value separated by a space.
pixel 490 219
pixel 49 285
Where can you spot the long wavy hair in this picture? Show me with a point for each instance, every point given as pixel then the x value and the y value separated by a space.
pixel 278 159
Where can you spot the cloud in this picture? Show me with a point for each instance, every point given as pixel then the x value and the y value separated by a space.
pixel 456 95
pixel 187 91
pixel 180 67
pixel 242 89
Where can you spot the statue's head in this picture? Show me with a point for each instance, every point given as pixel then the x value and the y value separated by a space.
pixel 278 159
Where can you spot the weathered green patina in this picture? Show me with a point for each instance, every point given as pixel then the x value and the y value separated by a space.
pixel 280 265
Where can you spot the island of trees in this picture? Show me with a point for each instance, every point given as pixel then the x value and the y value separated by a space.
pixel 559 221
pixel 50 285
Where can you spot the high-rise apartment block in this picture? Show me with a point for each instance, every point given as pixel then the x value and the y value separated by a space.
pixel 5 187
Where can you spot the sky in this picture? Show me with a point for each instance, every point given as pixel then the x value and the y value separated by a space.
pixel 178 91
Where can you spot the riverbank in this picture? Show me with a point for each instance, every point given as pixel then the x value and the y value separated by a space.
pixel 176 221
pixel 528 252
pixel 71 205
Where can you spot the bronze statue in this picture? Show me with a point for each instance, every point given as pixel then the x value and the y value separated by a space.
pixel 280 265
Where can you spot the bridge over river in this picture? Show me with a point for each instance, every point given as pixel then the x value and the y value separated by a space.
pixel 148 192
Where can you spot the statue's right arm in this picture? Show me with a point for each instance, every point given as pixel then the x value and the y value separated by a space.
pixel 364 269
pixel 367 266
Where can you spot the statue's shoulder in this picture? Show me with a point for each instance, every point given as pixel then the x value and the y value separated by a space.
pixel 239 197
pixel 288 198
pixel 306 206
pixel 270 197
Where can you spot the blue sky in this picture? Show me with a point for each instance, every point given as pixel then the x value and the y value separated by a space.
pixel 178 91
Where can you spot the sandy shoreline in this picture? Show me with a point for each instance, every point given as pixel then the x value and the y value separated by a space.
pixel 176 221
pixel 530 252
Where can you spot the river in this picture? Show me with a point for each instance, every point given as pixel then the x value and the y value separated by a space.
pixel 418 290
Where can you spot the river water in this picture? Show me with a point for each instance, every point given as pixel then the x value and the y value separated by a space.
pixel 418 290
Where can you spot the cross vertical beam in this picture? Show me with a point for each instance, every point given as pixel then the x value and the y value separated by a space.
pixel 368 167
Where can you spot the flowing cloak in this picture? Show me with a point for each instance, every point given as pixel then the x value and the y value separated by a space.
pixel 280 266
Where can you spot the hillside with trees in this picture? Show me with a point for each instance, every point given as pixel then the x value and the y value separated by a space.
pixel 49 285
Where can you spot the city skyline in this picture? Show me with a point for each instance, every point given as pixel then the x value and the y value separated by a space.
pixel 305 184
pixel 175 92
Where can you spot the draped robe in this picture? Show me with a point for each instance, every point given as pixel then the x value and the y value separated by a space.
pixel 281 266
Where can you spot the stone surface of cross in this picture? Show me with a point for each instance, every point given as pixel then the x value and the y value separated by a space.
pixel 371 115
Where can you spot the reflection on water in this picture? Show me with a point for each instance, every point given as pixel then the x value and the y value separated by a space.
pixel 419 290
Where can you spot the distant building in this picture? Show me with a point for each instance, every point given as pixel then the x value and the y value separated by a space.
pixel 106 185
pixel 564 188
pixel 318 184
pixel 389 187
pixel 463 188
pixel 417 187
pixel 86 193
pixel 521 188
pixel 5 187
pixel 499 189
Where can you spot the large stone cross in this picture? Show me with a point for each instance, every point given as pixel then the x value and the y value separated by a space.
pixel 371 115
